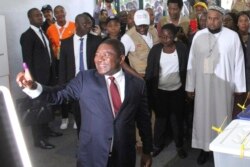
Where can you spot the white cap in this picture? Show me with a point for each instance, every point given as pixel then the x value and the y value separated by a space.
pixel 141 17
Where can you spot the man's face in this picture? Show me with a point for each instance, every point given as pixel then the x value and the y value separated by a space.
pixel 36 18
pixel 228 21
pixel 83 26
pixel 142 29
pixel 48 14
pixel 203 21
pixel 107 61
pixel 214 19
pixel 174 10
pixel 60 14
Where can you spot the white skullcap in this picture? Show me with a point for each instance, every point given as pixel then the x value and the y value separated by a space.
pixel 217 8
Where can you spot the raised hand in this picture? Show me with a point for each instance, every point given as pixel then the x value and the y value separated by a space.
pixel 24 79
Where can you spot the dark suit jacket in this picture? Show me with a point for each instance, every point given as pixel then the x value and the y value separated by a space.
pixel 247 64
pixel 98 125
pixel 36 57
pixel 67 57
pixel 153 68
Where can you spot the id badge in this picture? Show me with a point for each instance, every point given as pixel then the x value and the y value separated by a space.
pixel 208 65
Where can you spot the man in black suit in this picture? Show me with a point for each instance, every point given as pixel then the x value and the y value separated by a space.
pixel 107 136
pixel 70 53
pixel 37 55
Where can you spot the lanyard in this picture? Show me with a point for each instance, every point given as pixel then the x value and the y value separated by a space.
pixel 211 49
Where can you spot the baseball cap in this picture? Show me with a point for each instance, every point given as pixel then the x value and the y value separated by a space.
pixel 141 17
pixel 46 7
pixel 110 18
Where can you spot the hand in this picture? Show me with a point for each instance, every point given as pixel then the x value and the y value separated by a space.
pixel 146 160
pixel 23 82
pixel 97 30
pixel 248 95
pixel 190 96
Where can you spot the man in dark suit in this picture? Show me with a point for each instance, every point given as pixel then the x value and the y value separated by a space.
pixel 36 54
pixel 107 136
pixel 70 52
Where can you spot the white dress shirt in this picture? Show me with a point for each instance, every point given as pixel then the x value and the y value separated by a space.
pixel 120 83
pixel 76 40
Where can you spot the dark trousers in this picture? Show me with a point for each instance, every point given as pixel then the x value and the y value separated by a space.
pixel 39 132
pixel 65 108
pixel 169 107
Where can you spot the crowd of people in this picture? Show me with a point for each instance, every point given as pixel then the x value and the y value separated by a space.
pixel 132 82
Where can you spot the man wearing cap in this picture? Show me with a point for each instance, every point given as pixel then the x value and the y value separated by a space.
pixel 138 41
pixel 48 15
pixel 216 71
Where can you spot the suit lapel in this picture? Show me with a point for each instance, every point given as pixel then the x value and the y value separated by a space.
pixel 127 92
pixel 37 37
pixel 104 92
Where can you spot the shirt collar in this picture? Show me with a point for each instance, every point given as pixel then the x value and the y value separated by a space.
pixel 36 29
pixel 65 25
pixel 78 37
pixel 117 75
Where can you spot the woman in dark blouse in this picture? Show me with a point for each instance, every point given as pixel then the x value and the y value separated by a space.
pixel 165 77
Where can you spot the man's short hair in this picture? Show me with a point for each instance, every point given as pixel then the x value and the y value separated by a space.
pixel 31 11
pixel 92 19
pixel 59 6
pixel 117 46
pixel 179 2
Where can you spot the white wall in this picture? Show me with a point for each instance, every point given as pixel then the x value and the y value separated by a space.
pixel 15 12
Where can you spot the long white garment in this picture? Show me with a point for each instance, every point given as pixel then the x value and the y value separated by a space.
pixel 214 84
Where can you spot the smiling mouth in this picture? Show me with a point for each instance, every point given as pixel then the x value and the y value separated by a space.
pixel 102 65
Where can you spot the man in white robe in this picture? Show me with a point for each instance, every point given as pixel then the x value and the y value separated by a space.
pixel 216 71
